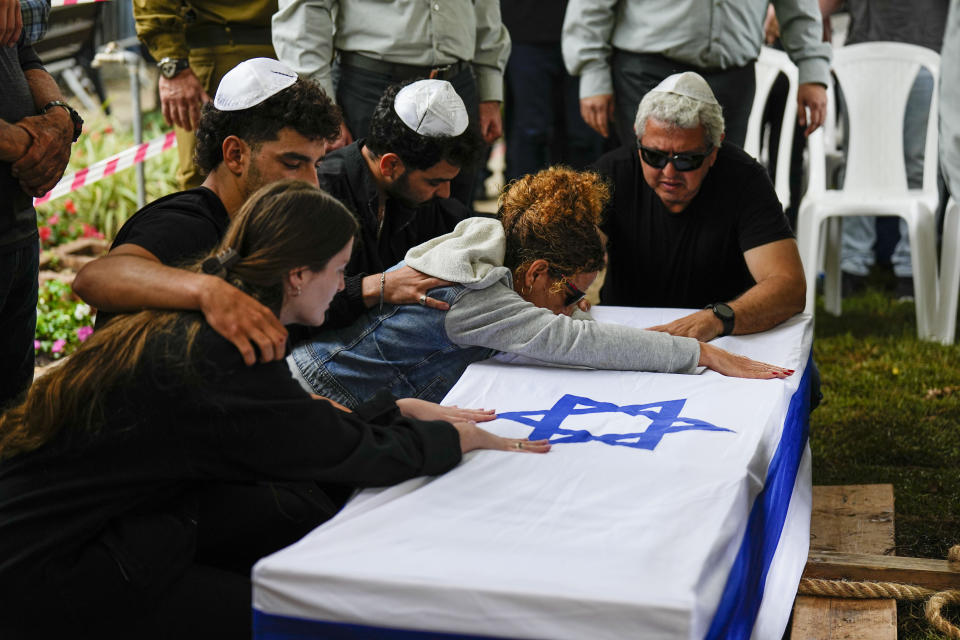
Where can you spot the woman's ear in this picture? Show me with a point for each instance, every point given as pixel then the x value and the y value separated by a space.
pixel 537 270
pixel 294 281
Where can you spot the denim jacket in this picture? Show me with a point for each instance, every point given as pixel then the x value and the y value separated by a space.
pixel 404 349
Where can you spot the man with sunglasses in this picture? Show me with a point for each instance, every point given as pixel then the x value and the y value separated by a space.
pixel 695 222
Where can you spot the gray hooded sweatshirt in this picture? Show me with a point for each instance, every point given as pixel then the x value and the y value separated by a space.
pixel 491 314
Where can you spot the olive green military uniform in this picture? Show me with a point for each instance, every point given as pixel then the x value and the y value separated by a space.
pixel 215 36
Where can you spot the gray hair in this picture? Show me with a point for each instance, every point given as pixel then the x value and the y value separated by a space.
pixel 681 112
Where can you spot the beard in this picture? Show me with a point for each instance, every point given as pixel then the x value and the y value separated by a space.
pixel 400 190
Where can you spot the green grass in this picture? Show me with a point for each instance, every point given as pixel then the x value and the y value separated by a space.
pixel 891 414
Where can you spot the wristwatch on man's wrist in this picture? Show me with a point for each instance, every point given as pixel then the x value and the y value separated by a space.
pixel 725 314
pixel 169 67
pixel 74 116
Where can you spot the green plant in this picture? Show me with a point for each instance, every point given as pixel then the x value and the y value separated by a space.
pixel 60 223
pixel 105 205
pixel 62 321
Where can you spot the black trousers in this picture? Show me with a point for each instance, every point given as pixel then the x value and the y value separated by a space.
pixel 359 91
pixel 18 319
pixel 634 74
pixel 182 573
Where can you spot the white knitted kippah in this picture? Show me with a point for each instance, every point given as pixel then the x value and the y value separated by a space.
pixel 251 82
pixel 689 84
pixel 431 108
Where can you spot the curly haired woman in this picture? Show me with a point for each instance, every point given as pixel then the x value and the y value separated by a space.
pixel 516 285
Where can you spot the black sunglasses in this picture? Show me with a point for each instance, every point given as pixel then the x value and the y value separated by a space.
pixel 574 295
pixel 681 161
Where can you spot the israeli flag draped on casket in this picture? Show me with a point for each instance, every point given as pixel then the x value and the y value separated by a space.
pixel 671 506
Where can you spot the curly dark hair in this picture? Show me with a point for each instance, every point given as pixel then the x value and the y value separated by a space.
pixel 388 134
pixel 554 215
pixel 303 106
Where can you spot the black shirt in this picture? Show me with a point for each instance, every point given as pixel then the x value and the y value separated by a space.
pixel 18 219
pixel 177 229
pixel 345 175
pixel 692 258
pixel 171 429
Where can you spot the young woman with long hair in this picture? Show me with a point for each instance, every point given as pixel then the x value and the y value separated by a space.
pixel 141 479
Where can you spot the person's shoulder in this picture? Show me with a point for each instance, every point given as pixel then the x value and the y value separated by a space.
pixel 732 158
pixel 339 162
pixel 192 203
pixel 621 160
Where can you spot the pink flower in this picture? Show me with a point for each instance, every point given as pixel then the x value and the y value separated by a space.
pixel 89 231
pixel 36 345
pixel 58 346
pixel 84 332
pixel 54 219
pixel 70 207
pixel 45 233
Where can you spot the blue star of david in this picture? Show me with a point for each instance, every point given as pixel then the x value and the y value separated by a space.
pixel 664 416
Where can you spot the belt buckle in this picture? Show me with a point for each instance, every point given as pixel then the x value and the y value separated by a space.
pixel 436 71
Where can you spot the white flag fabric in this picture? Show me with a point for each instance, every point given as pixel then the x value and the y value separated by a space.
pixel 671 506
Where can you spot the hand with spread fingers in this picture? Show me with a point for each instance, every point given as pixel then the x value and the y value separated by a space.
pixel 406 285
pixel 425 410
pixel 243 321
pixel 702 325
pixel 731 364
pixel 473 437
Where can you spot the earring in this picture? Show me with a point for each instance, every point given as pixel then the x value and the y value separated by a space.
pixel 297 291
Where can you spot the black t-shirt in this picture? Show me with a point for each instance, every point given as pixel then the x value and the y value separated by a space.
pixel 692 258
pixel 177 229
pixel 178 424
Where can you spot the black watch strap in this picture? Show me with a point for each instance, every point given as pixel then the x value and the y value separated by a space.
pixel 74 116
pixel 725 314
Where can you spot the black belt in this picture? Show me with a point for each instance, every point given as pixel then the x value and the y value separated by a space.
pixel 397 71
pixel 201 36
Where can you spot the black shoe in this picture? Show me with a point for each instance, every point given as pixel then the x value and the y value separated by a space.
pixel 904 290
pixel 851 284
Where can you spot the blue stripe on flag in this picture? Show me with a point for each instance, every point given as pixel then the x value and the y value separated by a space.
pixel 743 592
pixel 267 626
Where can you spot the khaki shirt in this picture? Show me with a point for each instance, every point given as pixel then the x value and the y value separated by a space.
pixel 425 33
pixel 162 24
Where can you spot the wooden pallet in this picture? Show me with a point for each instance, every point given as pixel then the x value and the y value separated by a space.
pixel 850 519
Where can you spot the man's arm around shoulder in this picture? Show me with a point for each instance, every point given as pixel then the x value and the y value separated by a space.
pixel 131 278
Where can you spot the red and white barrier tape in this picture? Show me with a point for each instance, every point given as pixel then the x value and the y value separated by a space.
pixel 123 160
pixel 70 3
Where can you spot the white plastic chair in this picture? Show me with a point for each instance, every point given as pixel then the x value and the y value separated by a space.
pixel 949 274
pixel 770 64
pixel 876 78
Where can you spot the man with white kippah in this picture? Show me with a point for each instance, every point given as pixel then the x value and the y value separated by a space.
pixel 694 221
pixel 264 124
pixel 359 48
pixel 622 48
pixel 196 42
pixel 397 182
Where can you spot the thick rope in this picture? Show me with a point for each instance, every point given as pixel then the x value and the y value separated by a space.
pixel 937 600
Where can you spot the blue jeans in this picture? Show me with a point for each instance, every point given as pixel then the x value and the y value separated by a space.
pixel 19 269
pixel 860 232
pixel 542 120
